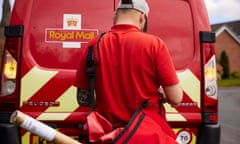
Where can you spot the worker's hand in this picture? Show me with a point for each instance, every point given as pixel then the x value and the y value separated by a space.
pixel 163 96
pixel 163 100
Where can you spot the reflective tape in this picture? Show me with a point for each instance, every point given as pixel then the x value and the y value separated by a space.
pixel 26 138
pixel 33 81
pixel 172 117
pixel 53 116
pixel 169 108
pixel 68 101
pixel 190 85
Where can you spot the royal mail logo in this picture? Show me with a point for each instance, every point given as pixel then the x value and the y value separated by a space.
pixel 71 35
pixel 72 22
pixel 60 35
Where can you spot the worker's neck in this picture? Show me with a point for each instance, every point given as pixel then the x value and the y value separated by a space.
pixel 127 21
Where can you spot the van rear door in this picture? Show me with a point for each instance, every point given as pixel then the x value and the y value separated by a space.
pixel 54 32
pixel 179 23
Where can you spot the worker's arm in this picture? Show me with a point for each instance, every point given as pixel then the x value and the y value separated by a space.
pixel 173 94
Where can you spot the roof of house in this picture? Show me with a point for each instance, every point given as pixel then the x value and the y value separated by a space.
pixel 233 26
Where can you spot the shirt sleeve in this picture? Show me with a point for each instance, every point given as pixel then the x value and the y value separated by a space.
pixel 166 72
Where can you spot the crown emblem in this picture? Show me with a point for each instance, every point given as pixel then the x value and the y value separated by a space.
pixel 72 22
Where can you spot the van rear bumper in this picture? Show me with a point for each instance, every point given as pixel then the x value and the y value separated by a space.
pixel 209 134
pixel 9 134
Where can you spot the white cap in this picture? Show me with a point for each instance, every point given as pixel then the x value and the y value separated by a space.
pixel 140 5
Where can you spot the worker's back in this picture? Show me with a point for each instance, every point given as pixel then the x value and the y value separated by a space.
pixel 131 66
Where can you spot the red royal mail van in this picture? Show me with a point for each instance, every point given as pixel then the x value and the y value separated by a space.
pixel 42 47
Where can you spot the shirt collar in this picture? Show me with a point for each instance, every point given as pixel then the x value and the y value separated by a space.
pixel 124 27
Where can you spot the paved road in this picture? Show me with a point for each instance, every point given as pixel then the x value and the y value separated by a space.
pixel 229 113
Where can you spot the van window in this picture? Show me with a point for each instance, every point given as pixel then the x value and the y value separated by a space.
pixel 172 21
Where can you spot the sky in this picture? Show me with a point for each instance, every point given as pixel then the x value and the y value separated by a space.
pixel 1 4
pixel 218 10
pixel 223 10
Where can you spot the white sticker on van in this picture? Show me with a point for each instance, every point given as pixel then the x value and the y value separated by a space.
pixel 72 34
pixel 72 21
pixel 184 137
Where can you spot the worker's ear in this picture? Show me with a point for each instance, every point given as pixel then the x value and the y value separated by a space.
pixel 142 18
pixel 143 22
pixel 145 29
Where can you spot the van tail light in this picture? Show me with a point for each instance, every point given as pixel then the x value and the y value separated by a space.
pixel 209 86
pixel 9 69
pixel 9 75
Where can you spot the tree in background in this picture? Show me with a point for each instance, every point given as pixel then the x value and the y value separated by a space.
pixel 6 9
pixel 225 64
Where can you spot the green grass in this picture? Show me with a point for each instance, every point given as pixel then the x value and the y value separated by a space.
pixel 229 82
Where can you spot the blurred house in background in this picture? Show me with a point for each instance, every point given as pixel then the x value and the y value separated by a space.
pixel 228 40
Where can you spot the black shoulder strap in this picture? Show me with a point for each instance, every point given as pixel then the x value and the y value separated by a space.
pixel 91 71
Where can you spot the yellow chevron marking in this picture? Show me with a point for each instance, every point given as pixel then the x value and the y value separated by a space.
pixel 26 138
pixel 35 139
pixel 175 117
pixel 194 139
pixel 169 108
pixel 68 101
pixel 190 84
pixel 33 81
pixel 53 116
pixel 176 129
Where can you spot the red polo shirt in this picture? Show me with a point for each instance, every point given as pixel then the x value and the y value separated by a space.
pixel 130 68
